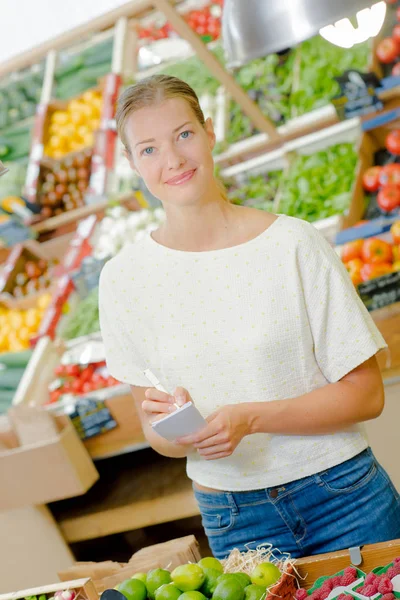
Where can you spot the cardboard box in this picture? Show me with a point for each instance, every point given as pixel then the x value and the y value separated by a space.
pixel 84 589
pixel 35 550
pixel 168 555
pixel 372 556
pixel 51 469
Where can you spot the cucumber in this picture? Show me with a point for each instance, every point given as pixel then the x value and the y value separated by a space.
pixel 6 398
pixel 14 360
pixel 10 378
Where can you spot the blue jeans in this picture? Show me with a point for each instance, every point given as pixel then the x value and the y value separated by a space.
pixel 352 504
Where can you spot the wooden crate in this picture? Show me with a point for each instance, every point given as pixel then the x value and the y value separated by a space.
pixel 373 555
pixel 84 589
pixel 370 143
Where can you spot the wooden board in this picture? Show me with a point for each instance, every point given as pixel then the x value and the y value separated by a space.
pixel 147 490
pixel 84 588
pixel 69 217
pixel 373 555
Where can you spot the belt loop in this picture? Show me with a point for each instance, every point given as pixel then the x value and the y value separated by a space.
pixel 232 503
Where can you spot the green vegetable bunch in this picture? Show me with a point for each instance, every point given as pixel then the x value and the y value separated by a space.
pixel 84 319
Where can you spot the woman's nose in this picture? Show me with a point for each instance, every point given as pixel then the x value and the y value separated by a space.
pixel 174 159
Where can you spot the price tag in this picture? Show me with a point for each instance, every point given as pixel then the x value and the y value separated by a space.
pixel 91 417
pixel 381 291
pixel 357 95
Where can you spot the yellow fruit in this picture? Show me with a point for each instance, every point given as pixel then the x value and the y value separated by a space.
pixel 60 117
pixel 75 106
pixel 32 319
pixel 44 301
pixel 94 124
pixel 55 142
pixel 16 320
pixel 24 334
pixel 77 117
pixel 88 140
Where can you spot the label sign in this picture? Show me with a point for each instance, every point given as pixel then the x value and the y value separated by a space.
pixel 381 291
pixel 357 95
pixel 91 417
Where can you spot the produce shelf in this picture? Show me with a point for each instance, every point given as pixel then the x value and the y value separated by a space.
pixel 131 493
pixel 69 217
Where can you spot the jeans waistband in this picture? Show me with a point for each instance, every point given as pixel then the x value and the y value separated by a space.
pixel 225 499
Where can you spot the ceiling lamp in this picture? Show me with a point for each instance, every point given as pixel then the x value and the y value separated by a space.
pixel 254 28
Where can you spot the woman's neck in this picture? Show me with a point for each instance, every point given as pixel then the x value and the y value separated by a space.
pixel 210 226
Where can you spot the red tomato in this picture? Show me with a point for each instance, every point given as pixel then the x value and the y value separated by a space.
pixel 354 268
pixel 97 377
pixel 77 386
pixel 352 250
pixel 396 34
pixel 388 198
pixel 55 395
pixel 393 141
pixel 370 179
pixel 86 387
pixel 60 371
pixel 387 51
pixel 376 251
pixel 73 370
pixel 201 30
pixel 395 231
pixel 396 70
pixel 390 174
pixel 369 271
pixel 67 388
pixel 87 373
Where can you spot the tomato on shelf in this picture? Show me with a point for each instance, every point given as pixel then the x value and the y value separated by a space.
pixel 371 179
pixel 354 267
pixel 79 380
pixel 395 231
pixel 387 51
pixel 388 198
pixel 376 251
pixel 393 141
pixel 372 271
pixel 352 250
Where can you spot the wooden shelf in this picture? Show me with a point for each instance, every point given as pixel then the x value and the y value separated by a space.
pixel 69 217
pixel 134 491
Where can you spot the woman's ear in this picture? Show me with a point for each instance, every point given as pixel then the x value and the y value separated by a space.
pixel 209 127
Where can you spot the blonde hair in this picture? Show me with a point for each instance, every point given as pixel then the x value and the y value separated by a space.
pixel 153 90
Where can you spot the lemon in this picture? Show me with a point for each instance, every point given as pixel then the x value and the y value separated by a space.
pixel 265 574
pixel 210 581
pixel 254 592
pixel 210 562
pixel 192 595
pixel 133 589
pixel 229 589
pixel 155 579
pixel 243 579
pixel 188 577
pixel 141 577
pixel 168 591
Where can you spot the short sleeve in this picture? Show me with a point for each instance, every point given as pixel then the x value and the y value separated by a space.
pixel 343 331
pixel 122 357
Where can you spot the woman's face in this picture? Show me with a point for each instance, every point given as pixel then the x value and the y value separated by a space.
pixel 171 151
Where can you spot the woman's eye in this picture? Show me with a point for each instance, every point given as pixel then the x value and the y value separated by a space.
pixel 185 134
pixel 148 151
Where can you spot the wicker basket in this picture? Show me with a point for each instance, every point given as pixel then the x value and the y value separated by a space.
pixel 286 587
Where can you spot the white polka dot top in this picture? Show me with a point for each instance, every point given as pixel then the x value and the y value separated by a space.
pixel 272 318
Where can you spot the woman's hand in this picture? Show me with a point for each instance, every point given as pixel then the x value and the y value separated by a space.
pixel 226 428
pixel 158 404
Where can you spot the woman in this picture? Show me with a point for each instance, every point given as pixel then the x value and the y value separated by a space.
pixel 252 317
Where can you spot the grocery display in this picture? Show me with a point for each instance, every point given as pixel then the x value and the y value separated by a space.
pixel 78 380
pixel 367 259
pixel 63 183
pixel 49 303
pixel 72 128
pixel 19 326
pixel 211 578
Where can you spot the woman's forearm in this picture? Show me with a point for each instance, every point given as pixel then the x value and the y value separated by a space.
pixel 357 397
